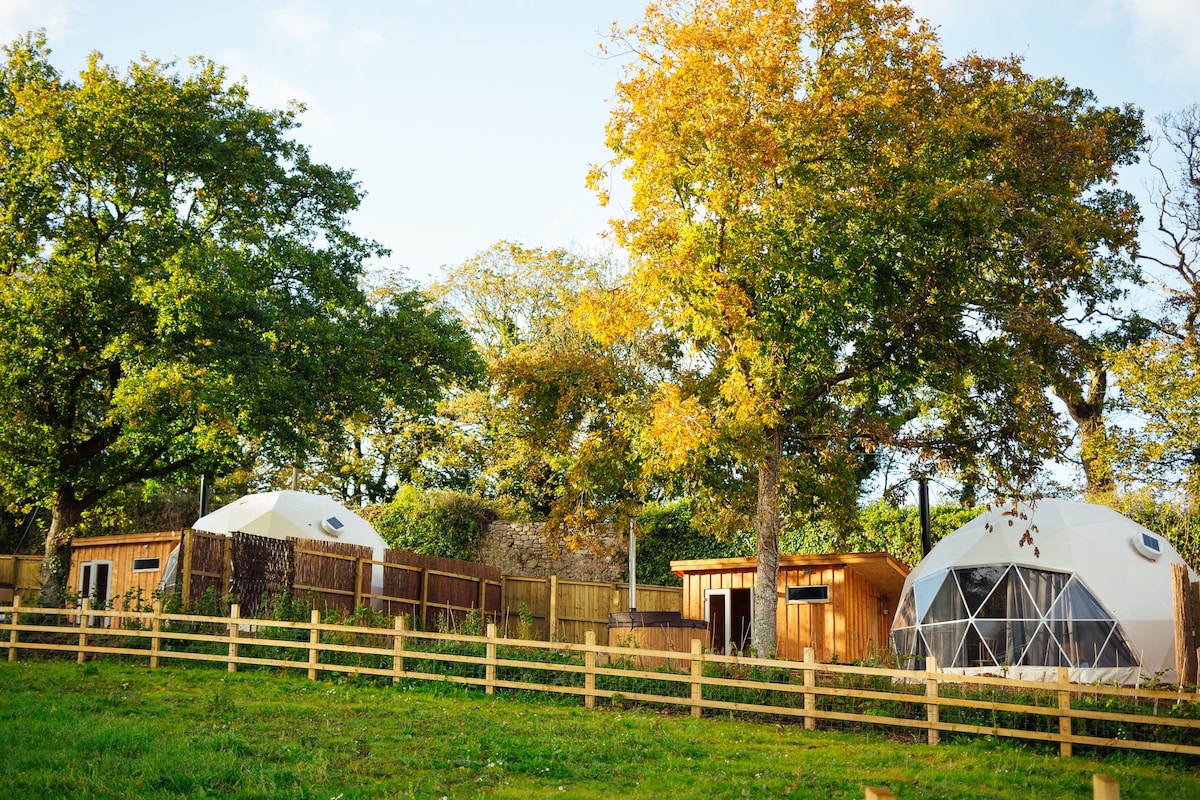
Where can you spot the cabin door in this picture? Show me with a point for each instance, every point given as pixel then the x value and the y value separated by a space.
pixel 729 613
pixel 95 583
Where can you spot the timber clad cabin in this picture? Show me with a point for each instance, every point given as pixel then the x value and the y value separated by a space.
pixel 841 605
pixel 105 568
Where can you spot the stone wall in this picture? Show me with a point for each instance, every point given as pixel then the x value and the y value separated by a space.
pixel 521 548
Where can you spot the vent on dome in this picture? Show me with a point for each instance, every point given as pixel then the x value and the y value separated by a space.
pixel 332 526
pixel 1147 545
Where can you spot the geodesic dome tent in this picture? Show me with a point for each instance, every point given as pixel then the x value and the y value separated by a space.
pixel 1024 589
pixel 299 515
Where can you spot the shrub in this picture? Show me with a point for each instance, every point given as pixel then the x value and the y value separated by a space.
pixel 435 523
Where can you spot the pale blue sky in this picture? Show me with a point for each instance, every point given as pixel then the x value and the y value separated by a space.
pixel 469 121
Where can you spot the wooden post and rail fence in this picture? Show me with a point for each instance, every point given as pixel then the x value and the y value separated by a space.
pixel 926 702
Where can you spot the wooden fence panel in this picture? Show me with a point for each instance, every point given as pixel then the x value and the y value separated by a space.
pixel 263 568
pixel 577 607
pixel 205 565
pixel 528 598
pixel 333 573
pixel 650 598
pixel 20 576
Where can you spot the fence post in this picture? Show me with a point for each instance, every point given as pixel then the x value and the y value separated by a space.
pixel 226 565
pixel 234 615
pixel 490 669
pixel 1185 625
pixel 1105 788
pixel 398 649
pixel 552 619
pixel 810 699
pixel 314 639
pixel 879 793
pixel 931 691
pixel 589 669
pixel 188 543
pixel 155 633
pixel 84 608
pixel 425 598
pixel 358 573
pixel 697 674
pixel 16 622
pixel 1064 707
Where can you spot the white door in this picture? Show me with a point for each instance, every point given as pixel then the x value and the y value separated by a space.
pixel 95 584
pixel 730 616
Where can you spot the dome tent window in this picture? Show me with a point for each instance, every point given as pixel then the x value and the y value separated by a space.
pixel 1008 616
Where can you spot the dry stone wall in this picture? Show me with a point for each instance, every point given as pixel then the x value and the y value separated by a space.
pixel 521 548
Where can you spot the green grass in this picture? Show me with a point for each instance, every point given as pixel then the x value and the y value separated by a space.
pixel 112 730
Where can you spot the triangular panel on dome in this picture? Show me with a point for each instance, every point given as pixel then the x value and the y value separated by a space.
pixel 996 604
pixel 1117 652
pixel 906 614
pixel 947 605
pixel 1043 650
pixel 944 640
pixel 1077 602
pixel 976 650
pixel 924 591
pixel 977 584
pixel 1044 586
pixel 1081 640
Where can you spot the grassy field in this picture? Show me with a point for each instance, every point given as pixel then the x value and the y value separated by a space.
pixel 108 730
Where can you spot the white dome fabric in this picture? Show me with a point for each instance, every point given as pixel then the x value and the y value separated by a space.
pixel 1023 589
pixel 298 515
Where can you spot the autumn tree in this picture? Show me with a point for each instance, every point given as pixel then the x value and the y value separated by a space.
pixel 178 279
pixel 850 233
pixel 544 432
pixel 1160 375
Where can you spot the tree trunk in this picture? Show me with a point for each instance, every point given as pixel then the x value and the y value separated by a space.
pixel 65 515
pixel 766 529
pixel 1088 412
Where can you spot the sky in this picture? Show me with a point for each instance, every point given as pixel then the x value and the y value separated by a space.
pixel 471 121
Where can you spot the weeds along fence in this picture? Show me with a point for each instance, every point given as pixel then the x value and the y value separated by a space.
pixel 924 705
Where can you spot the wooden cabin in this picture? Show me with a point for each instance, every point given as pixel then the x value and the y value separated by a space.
pixel 841 605
pixel 106 568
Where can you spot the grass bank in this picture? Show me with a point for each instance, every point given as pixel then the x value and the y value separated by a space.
pixel 111 730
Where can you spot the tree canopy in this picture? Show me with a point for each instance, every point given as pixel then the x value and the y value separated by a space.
pixel 855 237
pixel 178 278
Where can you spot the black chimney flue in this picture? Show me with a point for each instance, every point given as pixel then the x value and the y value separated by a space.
pixel 923 507
pixel 203 495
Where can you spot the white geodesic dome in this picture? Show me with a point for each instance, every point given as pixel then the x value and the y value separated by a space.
pixel 298 515
pixel 1024 589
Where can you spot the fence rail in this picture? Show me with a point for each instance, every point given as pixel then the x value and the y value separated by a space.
pixel 814 693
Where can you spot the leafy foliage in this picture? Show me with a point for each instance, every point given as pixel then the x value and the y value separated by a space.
pixel 435 523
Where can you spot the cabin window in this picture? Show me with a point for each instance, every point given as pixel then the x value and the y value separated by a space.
pixel 146 564
pixel 808 594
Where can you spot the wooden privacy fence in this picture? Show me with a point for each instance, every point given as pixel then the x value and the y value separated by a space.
pixel 19 576
pixel 254 569
pixel 811 692
pixel 556 610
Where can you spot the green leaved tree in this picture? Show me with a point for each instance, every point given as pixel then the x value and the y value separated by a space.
pixel 176 279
